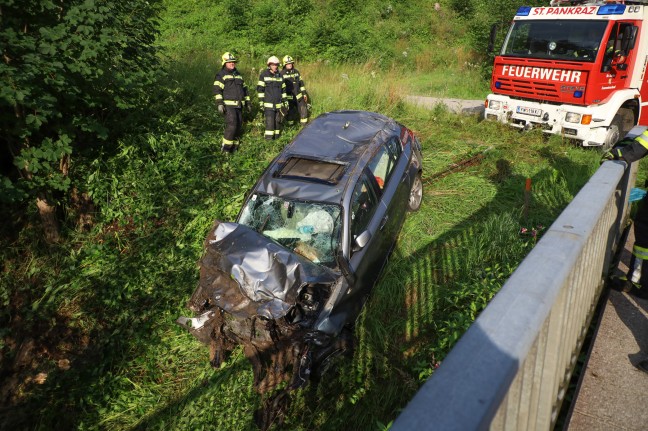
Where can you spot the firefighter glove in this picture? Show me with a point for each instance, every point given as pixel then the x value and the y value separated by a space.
pixel 221 109
pixel 613 154
pixel 248 108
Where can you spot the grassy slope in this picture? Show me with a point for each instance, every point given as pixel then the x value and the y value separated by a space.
pixel 106 301
pixel 121 286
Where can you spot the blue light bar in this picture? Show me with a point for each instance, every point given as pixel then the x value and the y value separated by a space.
pixel 498 84
pixel 611 9
pixel 523 11
pixel 578 94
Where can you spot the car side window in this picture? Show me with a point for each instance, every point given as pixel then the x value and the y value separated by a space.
pixel 383 162
pixel 363 205
pixel 395 146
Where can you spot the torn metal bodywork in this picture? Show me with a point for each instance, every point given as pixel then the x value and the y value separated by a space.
pixel 256 293
pixel 289 278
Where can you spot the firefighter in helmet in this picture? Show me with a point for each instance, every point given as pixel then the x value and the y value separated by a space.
pixel 271 90
pixel 296 91
pixel 636 280
pixel 231 95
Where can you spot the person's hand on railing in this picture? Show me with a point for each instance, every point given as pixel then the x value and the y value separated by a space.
pixel 613 154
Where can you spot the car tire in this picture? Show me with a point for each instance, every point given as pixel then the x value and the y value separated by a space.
pixel 329 362
pixel 416 194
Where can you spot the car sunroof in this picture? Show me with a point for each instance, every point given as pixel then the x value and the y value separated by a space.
pixel 313 170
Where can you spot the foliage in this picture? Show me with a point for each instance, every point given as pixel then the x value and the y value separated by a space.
pixel 394 33
pixel 86 326
pixel 75 70
pixel 106 300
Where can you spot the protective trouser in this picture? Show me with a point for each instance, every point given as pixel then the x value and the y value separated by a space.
pixel 297 109
pixel 638 273
pixel 233 128
pixel 273 120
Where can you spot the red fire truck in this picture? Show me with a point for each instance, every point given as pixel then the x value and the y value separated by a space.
pixel 575 68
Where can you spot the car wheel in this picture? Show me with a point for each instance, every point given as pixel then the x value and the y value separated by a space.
pixel 416 194
pixel 330 360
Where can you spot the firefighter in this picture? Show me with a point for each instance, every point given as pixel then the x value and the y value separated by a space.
pixel 296 91
pixel 231 95
pixel 271 90
pixel 636 281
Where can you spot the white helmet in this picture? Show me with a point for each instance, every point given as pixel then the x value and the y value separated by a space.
pixel 272 60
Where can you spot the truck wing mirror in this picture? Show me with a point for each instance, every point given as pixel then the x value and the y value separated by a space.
pixel 491 39
pixel 629 38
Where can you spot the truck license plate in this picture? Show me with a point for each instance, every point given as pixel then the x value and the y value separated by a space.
pixel 536 112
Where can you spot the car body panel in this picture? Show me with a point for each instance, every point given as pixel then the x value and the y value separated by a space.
pixel 267 277
pixel 288 309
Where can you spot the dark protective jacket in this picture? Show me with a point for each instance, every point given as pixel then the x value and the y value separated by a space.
pixel 271 89
pixel 295 88
pixel 230 89
pixel 633 150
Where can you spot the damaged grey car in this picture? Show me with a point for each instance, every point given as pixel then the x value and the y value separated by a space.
pixel 288 279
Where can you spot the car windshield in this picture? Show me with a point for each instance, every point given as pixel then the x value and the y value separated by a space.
pixel 310 229
pixel 558 40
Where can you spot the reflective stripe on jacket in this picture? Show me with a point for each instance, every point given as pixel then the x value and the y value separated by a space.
pixel 295 88
pixel 635 150
pixel 230 89
pixel 271 89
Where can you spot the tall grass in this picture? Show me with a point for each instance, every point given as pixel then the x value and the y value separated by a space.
pixel 106 301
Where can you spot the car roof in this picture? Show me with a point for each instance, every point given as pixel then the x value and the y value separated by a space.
pixel 326 155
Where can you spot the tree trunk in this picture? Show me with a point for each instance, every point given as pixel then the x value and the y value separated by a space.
pixel 47 214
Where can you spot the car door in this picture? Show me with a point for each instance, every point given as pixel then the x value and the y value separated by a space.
pixel 367 214
pixel 389 167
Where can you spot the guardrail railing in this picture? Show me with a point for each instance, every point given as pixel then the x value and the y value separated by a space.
pixel 510 370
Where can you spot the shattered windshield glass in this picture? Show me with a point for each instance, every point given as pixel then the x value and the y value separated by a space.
pixel 308 228
pixel 559 40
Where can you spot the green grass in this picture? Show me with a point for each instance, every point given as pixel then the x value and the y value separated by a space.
pixel 106 299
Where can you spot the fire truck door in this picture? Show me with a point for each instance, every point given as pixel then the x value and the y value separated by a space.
pixel 618 59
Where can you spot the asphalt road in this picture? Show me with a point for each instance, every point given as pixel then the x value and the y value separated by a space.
pixel 460 106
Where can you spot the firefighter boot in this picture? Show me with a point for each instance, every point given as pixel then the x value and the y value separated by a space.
pixel 637 285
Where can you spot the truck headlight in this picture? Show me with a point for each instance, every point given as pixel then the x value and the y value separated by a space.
pixel 572 117
pixel 495 105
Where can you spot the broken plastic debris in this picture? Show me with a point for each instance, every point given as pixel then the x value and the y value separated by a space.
pixel 195 322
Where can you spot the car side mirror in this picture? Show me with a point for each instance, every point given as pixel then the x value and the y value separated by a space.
pixel 361 240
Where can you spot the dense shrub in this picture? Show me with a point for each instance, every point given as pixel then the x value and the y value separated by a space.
pixel 74 71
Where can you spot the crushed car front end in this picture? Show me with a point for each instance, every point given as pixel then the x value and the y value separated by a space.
pixel 257 294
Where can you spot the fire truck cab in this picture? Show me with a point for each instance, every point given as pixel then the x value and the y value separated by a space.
pixel 576 69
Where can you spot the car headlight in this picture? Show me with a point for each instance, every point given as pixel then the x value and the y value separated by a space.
pixel 494 105
pixel 572 117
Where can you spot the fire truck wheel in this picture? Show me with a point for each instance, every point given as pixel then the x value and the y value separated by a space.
pixel 613 134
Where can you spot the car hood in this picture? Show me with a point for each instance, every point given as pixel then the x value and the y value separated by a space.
pixel 247 274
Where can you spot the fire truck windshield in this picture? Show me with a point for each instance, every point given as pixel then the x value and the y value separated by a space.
pixel 574 40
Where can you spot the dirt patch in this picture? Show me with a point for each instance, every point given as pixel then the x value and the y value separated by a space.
pixel 30 353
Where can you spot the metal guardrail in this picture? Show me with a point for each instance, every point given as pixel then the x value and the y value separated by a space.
pixel 511 369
